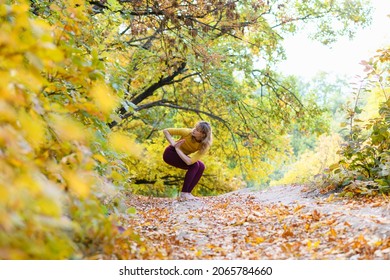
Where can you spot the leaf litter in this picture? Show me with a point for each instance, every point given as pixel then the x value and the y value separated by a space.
pixel 277 223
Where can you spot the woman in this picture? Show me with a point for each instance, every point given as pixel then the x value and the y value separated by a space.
pixel 186 153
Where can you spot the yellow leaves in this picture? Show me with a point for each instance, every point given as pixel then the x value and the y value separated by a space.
pixel 332 233
pixel 68 129
pixel 7 112
pixel 46 102
pixel 4 193
pixel 122 143
pixel 21 8
pixel 298 208
pixel 30 40
pixel 100 158
pixel 20 13
pixel 12 254
pixel 27 181
pixel 311 245
pixel 50 54
pixel 33 127
pixel 311 161
pixel 258 240
pixel 27 78
pixel 48 206
pixel 104 98
pixel 55 7
pixel 77 9
pixel 31 193
pixel 134 124
pixel 79 182
pixel 359 243
pixel 136 83
pixel 116 176
pixel 330 198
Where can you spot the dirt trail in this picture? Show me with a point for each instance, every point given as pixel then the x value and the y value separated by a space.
pixel 276 223
pixel 375 216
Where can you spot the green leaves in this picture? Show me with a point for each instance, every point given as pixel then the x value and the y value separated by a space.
pixel 114 5
pixel 364 165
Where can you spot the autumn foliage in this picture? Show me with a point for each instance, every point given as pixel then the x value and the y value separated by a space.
pixel 86 86
pixel 254 225
pixel 363 164
pixel 52 138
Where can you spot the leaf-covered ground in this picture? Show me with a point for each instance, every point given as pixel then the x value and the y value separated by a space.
pixel 278 223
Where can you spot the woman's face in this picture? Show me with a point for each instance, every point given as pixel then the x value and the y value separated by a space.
pixel 198 134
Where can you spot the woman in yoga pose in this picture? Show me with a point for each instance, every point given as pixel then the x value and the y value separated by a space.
pixel 186 153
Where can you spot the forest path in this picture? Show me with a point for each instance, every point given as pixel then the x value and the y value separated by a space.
pixel 276 223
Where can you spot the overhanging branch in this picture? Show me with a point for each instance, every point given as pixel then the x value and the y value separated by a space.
pixel 150 91
pixel 167 103
pixel 162 82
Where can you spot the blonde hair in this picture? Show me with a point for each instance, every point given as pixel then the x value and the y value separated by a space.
pixel 205 127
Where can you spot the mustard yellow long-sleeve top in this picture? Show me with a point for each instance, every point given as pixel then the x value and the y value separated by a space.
pixel 190 146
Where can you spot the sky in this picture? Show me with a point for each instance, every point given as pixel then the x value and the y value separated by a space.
pixel 305 58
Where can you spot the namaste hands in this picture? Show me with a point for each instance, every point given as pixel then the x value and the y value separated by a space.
pixel 179 143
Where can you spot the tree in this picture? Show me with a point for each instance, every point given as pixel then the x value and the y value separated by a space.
pixel 179 61
pixel 174 60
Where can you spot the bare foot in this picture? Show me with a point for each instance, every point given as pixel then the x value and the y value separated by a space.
pixel 186 196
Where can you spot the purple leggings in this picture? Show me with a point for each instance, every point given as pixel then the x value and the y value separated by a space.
pixel 194 171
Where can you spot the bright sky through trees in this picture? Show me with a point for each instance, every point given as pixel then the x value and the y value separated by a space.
pixel 305 58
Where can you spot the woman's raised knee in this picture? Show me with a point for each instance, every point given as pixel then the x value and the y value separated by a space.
pixel 201 165
pixel 198 166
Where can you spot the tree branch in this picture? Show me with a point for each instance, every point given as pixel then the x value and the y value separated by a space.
pixel 167 103
pixel 162 82
pixel 150 90
pixel 168 180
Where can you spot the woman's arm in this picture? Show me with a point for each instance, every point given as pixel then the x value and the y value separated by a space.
pixel 169 137
pixel 182 155
pixel 177 145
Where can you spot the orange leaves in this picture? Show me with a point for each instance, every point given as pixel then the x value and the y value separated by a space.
pixel 298 208
pixel 290 248
pixel 240 227
pixel 287 232
pixel 316 216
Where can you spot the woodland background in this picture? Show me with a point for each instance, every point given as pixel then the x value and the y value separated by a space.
pixel 87 86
